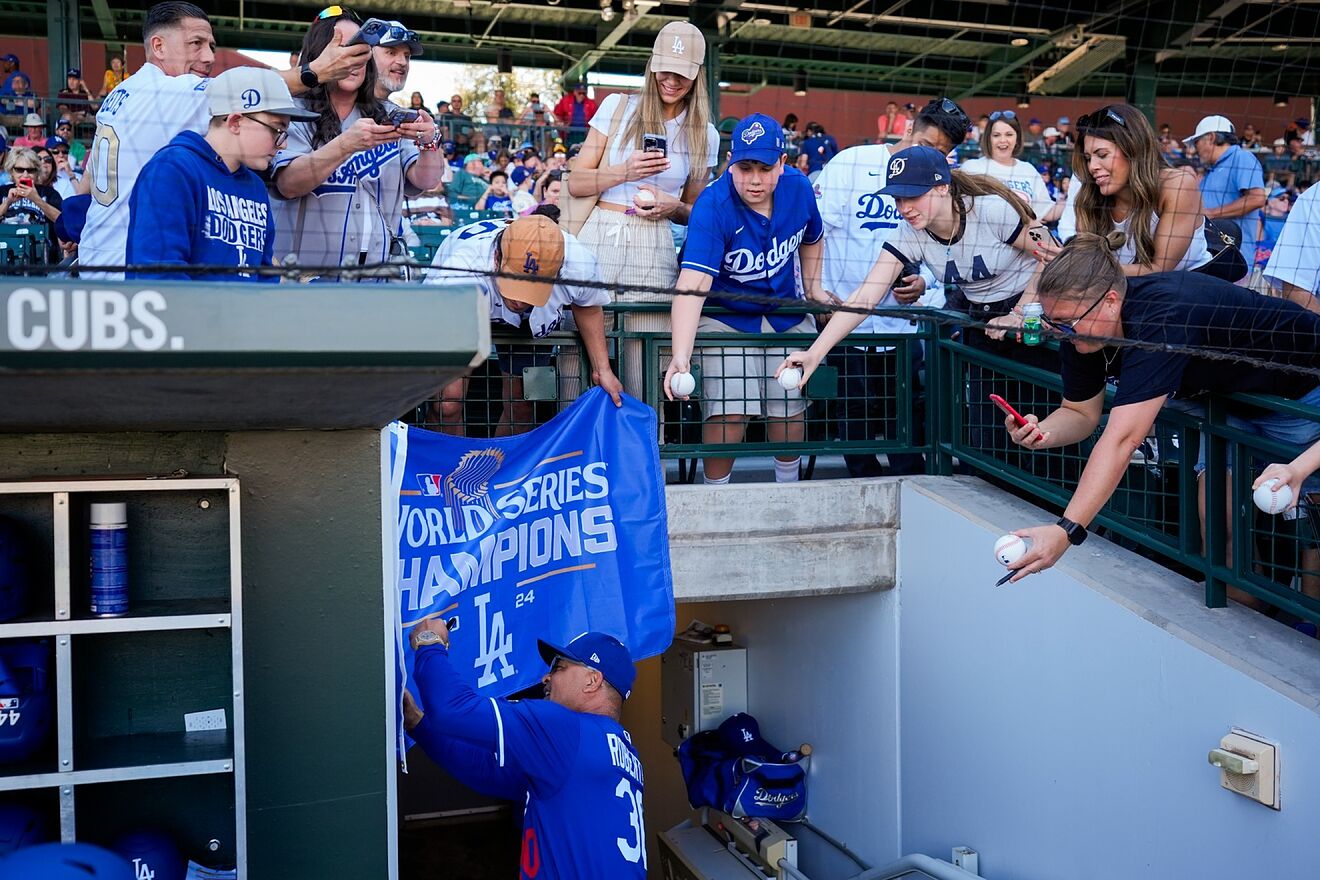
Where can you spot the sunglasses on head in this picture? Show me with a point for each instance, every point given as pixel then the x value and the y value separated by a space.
pixel 337 12
pixel 397 33
pixel 1101 118
pixel 1002 114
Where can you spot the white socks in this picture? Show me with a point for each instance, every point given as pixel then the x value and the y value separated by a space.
pixel 715 481
pixel 787 471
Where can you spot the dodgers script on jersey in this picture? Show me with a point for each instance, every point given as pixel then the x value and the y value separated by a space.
pixel 747 253
pixel 858 221
pixel 467 256
pixel 981 260
pixel 135 121
pixel 355 212
pixel 580 774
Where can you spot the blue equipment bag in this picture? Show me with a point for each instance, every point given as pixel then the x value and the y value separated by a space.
pixel 735 770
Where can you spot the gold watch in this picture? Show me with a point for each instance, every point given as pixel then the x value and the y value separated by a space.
pixel 430 637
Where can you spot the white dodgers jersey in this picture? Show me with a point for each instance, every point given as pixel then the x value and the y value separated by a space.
pixel 138 118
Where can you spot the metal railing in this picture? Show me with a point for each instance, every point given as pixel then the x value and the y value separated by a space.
pixel 1154 510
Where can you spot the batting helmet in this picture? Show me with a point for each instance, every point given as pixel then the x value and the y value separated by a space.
pixel 66 861
pixel 25 698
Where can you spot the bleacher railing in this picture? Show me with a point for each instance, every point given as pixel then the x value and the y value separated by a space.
pixel 1154 511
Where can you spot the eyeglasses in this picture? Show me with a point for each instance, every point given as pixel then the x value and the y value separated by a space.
pixel 27 169
pixel 1070 328
pixel 60 152
pixel 337 12
pixel 562 663
pixel 281 134
pixel 1002 114
pixel 1101 118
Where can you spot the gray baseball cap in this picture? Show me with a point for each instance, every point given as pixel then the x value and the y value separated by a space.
pixel 252 90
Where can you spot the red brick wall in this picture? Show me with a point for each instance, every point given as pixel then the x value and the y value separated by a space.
pixel 851 116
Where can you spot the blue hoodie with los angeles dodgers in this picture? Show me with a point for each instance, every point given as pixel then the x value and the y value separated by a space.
pixel 188 209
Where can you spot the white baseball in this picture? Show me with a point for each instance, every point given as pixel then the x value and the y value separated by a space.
pixel 1272 496
pixel 682 384
pixel 790 378
pixel 1009 549
pixel 644 197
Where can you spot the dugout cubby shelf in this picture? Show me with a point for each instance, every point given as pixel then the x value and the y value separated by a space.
pixel 119 757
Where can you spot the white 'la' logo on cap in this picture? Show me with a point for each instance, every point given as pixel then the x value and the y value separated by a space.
pixel 896 167
pixel 754 131
pixel 679 48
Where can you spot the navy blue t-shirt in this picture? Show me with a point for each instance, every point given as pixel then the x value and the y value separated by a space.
pixel 745 252
pixel 1192 311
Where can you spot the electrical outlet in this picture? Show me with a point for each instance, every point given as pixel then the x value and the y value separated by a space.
pixel 212 720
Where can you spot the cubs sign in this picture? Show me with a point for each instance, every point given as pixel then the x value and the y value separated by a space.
pixel 544 535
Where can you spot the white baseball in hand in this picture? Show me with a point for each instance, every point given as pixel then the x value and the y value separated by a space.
pixel 1273 496
pixel 1009 549
pixel 682 384
pixel 644 198
pixel 790 378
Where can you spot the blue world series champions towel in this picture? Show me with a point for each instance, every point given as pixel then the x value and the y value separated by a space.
pixel 543 535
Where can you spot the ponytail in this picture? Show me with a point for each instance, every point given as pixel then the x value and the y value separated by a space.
pixel 1085 268
pixel 972 186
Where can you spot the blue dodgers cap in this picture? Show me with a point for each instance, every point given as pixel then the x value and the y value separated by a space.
pixel 914 172
pixel 73 217
pixel 55 141
pixel 758 138
pixel 601 652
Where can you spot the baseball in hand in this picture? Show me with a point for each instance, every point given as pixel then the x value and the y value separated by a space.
pixel 790 378
pixel 682 384
pixel 1272 496
pixel 644 198
pixel 1009 549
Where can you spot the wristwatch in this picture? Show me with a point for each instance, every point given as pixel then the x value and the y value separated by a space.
pixel 430 637
pixel 308 76
pixel 1076 532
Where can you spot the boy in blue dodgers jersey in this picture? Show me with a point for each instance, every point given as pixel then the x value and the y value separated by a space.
pixel 567 756
pixel 744 236
pixel 859 218
pixel 200 202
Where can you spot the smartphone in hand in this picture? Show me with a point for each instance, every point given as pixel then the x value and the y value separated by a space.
pixel 1008 410
pixel 655 143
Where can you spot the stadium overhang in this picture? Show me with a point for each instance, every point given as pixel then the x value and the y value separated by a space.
pixel 962 47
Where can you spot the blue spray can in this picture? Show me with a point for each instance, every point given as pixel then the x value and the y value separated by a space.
pixel 109 563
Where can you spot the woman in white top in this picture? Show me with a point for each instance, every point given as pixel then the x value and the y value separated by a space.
pixel 641 192
pixel 977 237
pixel 1126 185
pixel 1000 151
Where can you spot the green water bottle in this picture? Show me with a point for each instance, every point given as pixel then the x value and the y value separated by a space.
pixel 1031 323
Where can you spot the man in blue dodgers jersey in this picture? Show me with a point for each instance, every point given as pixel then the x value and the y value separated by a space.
pixel 144 112
pixel 200 202
pixel 744 236
pixel 342 178
pixel 567 755
pixel 858 220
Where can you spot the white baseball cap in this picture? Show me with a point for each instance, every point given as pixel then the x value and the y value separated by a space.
pixel 1211 125
pixel 252 90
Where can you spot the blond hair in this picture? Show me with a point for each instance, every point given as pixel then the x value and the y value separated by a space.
pixel 1085 268
pixel 650 118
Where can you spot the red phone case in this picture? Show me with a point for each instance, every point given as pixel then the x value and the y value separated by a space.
pixel 1008 410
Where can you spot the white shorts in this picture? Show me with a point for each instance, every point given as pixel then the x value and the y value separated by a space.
pixel 740 380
